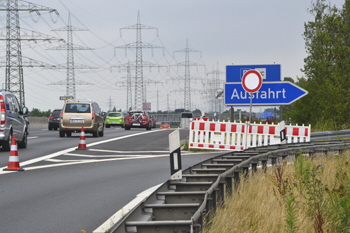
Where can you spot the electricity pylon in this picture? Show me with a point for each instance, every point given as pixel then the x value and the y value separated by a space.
pixel 187 84
pixel 129 67
pixel 110 103
pixel 139 64
pixel 215 84
pixel 69 66
pixel 14 64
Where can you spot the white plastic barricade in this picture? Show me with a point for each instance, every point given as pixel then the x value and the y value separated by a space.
pixel 233 135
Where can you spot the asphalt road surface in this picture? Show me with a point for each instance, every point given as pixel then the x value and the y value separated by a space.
pixel 67 190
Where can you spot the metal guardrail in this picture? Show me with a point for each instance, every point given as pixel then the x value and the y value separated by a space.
pixel 186 205
pixel 330 135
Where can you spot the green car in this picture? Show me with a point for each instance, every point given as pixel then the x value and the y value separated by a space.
pixel 114 119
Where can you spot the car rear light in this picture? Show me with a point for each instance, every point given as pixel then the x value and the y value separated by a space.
pixel 61 115
pixel 52 117
pixel 93 115
pixel 143 119
pixel 2 110
pixel 128 119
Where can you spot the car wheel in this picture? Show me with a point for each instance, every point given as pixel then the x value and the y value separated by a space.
pixel 95 134
pixel 108 126
pixel 23 143
pixel 148 128
pixel 6 146
pixel 50 128
pixel 127 128
pixel 69 134
pixel 101 133
pixel 62 134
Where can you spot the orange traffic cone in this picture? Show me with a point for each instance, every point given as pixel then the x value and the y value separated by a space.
pixel 82 143
pixel 13 164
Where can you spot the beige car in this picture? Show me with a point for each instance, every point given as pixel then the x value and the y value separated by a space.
pixel 81 113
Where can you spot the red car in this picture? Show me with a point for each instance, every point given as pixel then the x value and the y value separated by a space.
pixel 138 119
pixel 154 120
pixel 165 125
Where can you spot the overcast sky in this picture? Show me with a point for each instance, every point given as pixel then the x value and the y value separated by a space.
pixel 223 32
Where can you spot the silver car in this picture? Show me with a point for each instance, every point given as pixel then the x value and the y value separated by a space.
pixel 12 121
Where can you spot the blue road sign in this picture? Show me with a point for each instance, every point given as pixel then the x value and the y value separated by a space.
pixel 270 73
pixel 270 94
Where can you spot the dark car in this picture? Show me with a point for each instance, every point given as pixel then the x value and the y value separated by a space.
pixel 138 119
pixel 54 119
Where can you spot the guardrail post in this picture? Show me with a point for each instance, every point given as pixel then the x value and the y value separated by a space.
pixel 215 201
pixel 221 194
pixel 284 158
pixel 236 177
pixel 201 222
pixel 205 216
pixel 273 161
pixel 264 165
pixel 229 185
pixel 197 229
pixel 245 172
pixel 254 167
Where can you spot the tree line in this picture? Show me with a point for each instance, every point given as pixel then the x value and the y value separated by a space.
pixel 326 69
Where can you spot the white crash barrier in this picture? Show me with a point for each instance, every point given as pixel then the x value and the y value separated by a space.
pixel 206 134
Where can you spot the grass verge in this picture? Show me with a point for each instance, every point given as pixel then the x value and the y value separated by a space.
pixel 310 195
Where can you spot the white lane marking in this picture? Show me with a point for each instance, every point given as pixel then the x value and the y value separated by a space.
pixel 32 137
pixel 115 151
pixel 113 156
pixel 61 161
pixel 79 162
pixel 106 226
pixel 50 156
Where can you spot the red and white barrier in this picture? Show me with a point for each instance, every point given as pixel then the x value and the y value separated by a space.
pixel 233 135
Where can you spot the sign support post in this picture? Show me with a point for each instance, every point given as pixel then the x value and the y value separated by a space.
pixel 251 83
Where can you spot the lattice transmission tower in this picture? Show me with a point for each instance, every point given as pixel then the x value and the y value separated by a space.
pixel 70 66
pixel 14 60
pixel 139 64
pixel 214 85
pixel 129 67
pixel 187 78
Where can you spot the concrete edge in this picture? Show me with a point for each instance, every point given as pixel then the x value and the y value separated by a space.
pixel 109 223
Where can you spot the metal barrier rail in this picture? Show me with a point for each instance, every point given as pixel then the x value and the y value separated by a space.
pixel 186 205
pixel 330 135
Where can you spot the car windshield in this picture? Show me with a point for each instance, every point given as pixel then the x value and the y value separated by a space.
pixel 114 114
pixel 135 113
pixel 78 108
pixel 56 113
